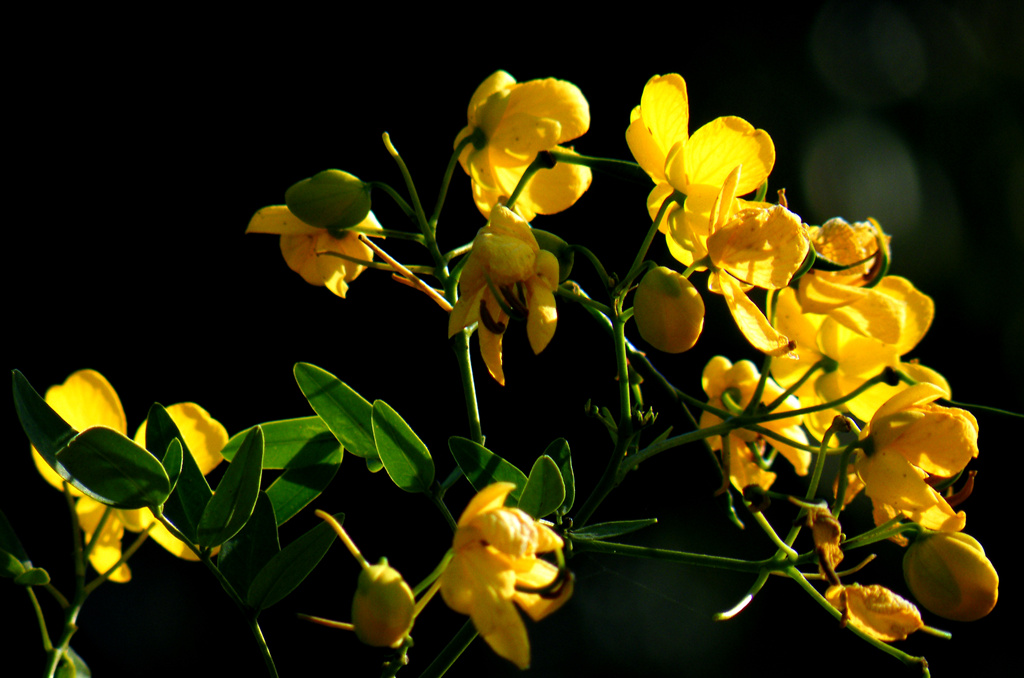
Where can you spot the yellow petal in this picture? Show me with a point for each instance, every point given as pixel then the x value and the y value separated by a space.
pixel 543 317
pixel 715 150
pixel 278 220
pixel 751 321
pixel 761 247
pixel 107 548
pixel 556 100
pixel 537 573
pixel 876 611
pixel 892 480
pixel 491 497
pixel 521 136
pixel 661 121
pixel 554 190
pixel 821 295
pixel 496 82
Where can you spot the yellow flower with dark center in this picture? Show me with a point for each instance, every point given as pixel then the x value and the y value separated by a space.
pixel 309 251
pixel 495 559
pixel 506 272
pixel 909 439
pixel 86 399
pixel 875 610
pixel 736 383
pixel 514 122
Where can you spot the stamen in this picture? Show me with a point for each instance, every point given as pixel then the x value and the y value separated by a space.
pixel 490 323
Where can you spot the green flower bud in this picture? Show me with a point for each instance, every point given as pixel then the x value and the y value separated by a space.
pixel 668 310
pixel 382 609
pixel 561 249
pixel 950 576
pixel 331 199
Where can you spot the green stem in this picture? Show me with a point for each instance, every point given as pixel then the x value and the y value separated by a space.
pixel 446 180
pixel 452 651
pixel 623 169
pixel 460 344
pixel 635 269
pixel 698 559
pixel 399 200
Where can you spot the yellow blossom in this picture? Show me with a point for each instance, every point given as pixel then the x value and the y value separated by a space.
pixel 494 559
pixel 761 246
pixel 736 384
pixel 510 124
pixel 507 261
pixel 875 610
pixel 949 574
pixel 87 399
pixel 909 439
pixel 696 166
pixel 309 251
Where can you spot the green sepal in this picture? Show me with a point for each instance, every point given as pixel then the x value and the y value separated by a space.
pixel 615 528
pixel 545 490
pixel 559 451
pixel 562 250
pixel 330 199
pixel 36 576
pixel 346 413
pixel 47 431
pixel 235 497
pixel 244 555
pixel 113 470
pixel 72 666
pixel 10 567
pixel 405 457
pixel 288 568
pixel 483 467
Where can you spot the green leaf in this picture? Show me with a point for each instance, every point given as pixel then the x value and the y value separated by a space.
pixel 612 529
pixel 161 431
pixel 346 413
pixel 46 430
pixel 113 470
pixel 10 543
pixel 37 576
pixel 172 462
pixel 244 555
pixel 10 566
pixel 405 457
pixel 544 491
pixel 184 508
pixel 291 566
pixel 233 501
pixel 289 442
pixel 559 451
pixel 300 485
pixel 483 467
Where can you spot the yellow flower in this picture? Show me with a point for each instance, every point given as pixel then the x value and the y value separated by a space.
pixel 668 310
pixel 875 610
pixel 854 357
pixel 494 553
pixel 722 380
pixel 696 166
pixel 909 439
pixel 87 399
pixel 309 250
pixel 760 246
pixel 950 575
pixel 506 260
pixel 516 121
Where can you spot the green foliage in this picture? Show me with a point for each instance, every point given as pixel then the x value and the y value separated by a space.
pixel 243 556
pixel 235 497
pixel 346 413
pixel 544 491
pixel 483 467
pixel 288 568
pixel 404 455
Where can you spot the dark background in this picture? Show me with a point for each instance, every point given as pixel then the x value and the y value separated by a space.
pixel 139 156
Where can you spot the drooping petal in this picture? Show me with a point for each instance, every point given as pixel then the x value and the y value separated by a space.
pixel 761 247
pixel 490 351
pixel 278 220
pixel 496 82
pixel 106 551
pixel 554 190
pixel 875 610
pixel 543 317
pixel 890 479
pixel 536 573
pixel 751 321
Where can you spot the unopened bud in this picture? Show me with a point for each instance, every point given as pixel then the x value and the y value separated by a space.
pixel 561 249
pixel 949 574
pixel 382 609
pixel 331 199
pixel 668 310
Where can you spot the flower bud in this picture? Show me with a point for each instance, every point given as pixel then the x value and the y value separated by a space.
pixel 669 311
pixel 331 199
pixel 382 609
pixel 950 576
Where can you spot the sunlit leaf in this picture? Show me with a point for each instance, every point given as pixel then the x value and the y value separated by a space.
pixel 405 457
pixel 483 467
pixel 244 555
pixel 233 500
pixel 346 413
pixel 544 491
pixel 113 470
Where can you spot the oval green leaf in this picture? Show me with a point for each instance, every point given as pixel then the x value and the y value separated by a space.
pixel 405 457
pixel 615 528
pixel 559 451
pixel 243 556
pixel 291 566
pixel 294 489
pixel 113 470
pixel 483 467
pixel 43 426
pixel 346 413
pixel 544 491
pixel 289 443
pixel 233 501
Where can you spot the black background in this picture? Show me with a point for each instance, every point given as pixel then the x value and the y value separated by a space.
pixel 139 155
